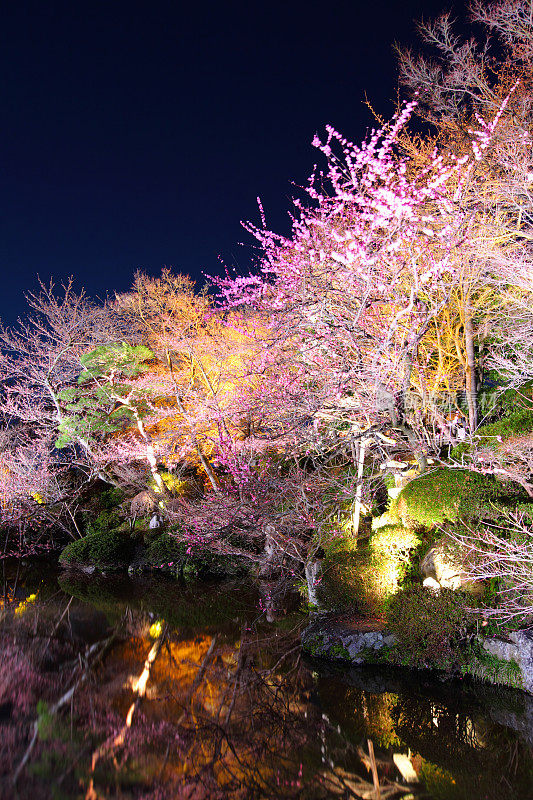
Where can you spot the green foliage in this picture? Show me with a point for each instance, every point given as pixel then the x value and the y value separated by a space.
pixel 342 567
pixel 109 550
pixel 440 783
pixel 89 415
pixel 430 626
pixel 515 424
pixel 97 409
pixel 389 556
pixel 485 666
pixel 339 651
pixel 363 573
pixel 103 523
pixel 45 722
pixel 122 359
pixel 169 553
pixel 525 510
pixel 447 495
pixel 394 541
pixel 110 498
pixel 165 550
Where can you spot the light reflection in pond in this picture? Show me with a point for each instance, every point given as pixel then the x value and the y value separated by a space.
pixel 196 692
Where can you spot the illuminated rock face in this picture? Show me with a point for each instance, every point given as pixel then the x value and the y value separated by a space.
pixel 518 647
pixel 442 564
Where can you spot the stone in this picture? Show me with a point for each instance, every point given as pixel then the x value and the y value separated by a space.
pixel 517 647
pixel 143 503
pixel 358 641
pixel 442 564
pixel 333 640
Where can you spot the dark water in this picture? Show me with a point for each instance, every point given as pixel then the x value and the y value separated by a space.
pixel 226 706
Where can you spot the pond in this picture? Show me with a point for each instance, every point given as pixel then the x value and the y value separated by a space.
pixel 147 688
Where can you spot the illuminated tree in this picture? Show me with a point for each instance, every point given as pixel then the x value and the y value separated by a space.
pixel 40 358
pixel 370 269
pixel 459 82
pixel 111 396
pixel 204 357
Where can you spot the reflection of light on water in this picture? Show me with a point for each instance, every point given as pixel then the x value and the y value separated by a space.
pixel 405 767
pixel 22 607
pixel 253 718
pixel 156 628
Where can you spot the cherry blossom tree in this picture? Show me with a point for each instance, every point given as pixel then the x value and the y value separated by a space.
pixel 39 358
pixel 371 265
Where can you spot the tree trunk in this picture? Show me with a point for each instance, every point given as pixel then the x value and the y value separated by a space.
pixel 356 512
pixel 150 456
pixel 471 390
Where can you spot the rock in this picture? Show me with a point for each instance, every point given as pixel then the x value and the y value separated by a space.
pixel 405 767
pixel 359 641
pixel 518 647
pixel 143 503
pixel 331 639
pixel 442 567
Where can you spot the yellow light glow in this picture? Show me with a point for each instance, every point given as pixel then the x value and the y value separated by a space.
pixel 22 607
pixel 156 628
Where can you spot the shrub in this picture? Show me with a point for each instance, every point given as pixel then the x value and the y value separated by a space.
pixel 110 498
pixel 165 550
pixel 168 552
pixel 390 550
pixel 430 626
pixel 104 522
pixel 109 550
pixel 394 541
pixel 342 582
pixel 446 495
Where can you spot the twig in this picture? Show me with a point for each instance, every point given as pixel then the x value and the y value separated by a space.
pixel 63 700
pixel 199 677
pixel 374 768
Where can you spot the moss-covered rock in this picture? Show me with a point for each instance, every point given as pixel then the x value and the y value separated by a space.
pixel 444 563
pixel 165 551
pixel 444 495
pixel 173 554
pixel 430 626
pixel 109 550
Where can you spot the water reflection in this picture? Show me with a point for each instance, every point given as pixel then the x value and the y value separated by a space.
pixel 150 689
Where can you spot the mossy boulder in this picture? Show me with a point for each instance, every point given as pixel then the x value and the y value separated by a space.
pixel 444 495
pixel 167 553
pixel 444 563
pixel 430 626
pixel 172 554
pixel 109 550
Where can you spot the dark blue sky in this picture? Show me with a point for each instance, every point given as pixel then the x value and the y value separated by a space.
pixel 138 134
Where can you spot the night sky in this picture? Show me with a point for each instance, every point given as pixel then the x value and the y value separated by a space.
pixel 138 134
